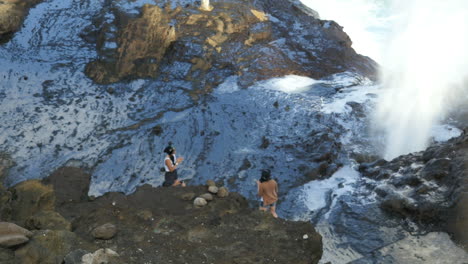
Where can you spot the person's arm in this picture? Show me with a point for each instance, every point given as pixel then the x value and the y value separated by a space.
pixel 170 165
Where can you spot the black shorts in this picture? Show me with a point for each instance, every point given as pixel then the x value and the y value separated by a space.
pixel 170 178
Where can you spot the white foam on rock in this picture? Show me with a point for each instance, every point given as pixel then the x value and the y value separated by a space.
pixel 341 182
pixel 359 94
pixel 289 84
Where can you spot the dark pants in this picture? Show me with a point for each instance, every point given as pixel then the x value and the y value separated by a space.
pixel 170 178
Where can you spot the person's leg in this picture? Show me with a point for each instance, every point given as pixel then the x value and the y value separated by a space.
pixel 273 211
pixel 261 207
pixel 178 182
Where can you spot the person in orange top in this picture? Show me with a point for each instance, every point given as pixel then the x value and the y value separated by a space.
pixel 268 190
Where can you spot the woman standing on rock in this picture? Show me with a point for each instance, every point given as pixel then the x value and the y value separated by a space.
pixel 268 190
pixel 170 166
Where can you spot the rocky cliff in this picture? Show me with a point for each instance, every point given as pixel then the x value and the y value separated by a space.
pixel 152 225
pixel 255 40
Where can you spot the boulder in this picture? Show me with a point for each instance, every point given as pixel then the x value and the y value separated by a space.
pixel 222 192
pixel 101 256
pixel 207 196
pixel 30 197
pixel 199 202
pixel 213 189
pixel 12 234
pixel 48 246
pixel 106 231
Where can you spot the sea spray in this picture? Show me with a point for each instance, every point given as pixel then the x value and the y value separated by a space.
pixel 423 75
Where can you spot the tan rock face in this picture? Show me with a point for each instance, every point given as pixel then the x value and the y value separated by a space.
pixel 142 43
pixel 12 13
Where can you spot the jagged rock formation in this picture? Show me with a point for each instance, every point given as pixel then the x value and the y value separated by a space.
pixel 429 187
pixel 12 14
pixel 252 40
pixel 152 224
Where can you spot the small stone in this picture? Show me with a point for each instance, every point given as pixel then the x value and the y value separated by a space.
pixel 207 196
pixel 305 236
pixel 199 202
pixel 223 192
pixel 213 189
pixel 210 183
pixel 106 231
pixel 101 256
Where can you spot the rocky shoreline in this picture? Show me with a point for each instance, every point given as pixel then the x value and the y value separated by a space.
pixel 152 225
pixel 428 187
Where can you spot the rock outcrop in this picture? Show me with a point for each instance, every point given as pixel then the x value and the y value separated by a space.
pixel 428 187
pixel 154 224
pixel 12 14
pixel 249 39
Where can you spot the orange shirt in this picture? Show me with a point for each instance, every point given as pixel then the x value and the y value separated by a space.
pixel 268 191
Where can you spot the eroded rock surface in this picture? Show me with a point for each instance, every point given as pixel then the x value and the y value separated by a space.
pixel 429 187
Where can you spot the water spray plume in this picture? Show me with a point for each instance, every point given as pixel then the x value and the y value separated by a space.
pixel 423 73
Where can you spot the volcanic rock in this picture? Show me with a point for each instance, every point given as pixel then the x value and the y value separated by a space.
pixel 12 235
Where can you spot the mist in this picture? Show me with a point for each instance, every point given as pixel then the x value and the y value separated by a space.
pixel 423 72
pixel 422 47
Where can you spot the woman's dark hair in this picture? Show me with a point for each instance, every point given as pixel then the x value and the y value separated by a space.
pixel 169 149
pixel 266 176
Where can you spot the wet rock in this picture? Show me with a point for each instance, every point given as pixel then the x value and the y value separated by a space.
pixel 436 169
pixel 199 202
pixel 213 189
pixel 106 231
pixel 207 196
pixel 101 256
pixel 48 220
pixel 222 192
